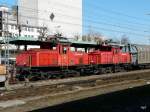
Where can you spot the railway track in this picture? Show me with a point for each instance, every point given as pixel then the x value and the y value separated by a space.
pixel 83 79
pixel 42 88
pixel 41 94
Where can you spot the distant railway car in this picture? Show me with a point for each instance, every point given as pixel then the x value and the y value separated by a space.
pixel 143 56
pixel 140 55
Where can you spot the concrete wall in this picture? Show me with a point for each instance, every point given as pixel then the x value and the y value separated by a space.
pixel 67 20
pixel 28 13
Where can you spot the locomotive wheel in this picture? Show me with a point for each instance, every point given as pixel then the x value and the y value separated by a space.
pixel 49 76
pixel 109 70
pixel 103 71
pixel 44 76
pixel 58 76
pixel 23 75
pixel 96 72
pixel 30 77
pixel 77 74
pixel 82 72
pixel 74 74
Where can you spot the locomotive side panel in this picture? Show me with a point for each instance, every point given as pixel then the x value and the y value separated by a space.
pixel 125 58
pixel 94 57
pixel 99 57
pixel 78 58
pixel 27 58
pixel 106 58
pixel 47 58
pixel 73 59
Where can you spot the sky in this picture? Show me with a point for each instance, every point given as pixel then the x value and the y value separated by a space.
pixel 115 18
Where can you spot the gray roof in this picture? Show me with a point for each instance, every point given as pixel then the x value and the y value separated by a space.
pixel 2 41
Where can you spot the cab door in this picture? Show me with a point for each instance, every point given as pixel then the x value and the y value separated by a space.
pixel 64 55
pixel 116 55
pixel 134 54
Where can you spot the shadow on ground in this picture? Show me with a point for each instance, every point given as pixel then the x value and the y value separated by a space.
pixel 131 100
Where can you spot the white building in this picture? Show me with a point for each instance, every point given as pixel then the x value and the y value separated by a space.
pixel 9 27
pixel 59 16
pixel 9 23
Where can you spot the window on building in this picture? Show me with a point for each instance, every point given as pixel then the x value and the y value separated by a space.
pixel 11 34
pixel 25 28
pixel 15 27
pixel 9 26
pixel 3 25
pixel 12 27
pixel 32 29
pixel 29 29
pixel 16 35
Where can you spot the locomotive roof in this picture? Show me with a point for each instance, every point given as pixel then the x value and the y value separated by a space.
pixel 53 42
pixel 27 41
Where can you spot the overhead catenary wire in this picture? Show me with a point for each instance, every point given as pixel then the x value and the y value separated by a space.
pixel 93 21
pixel 97 22
pixel 131 22
pixel 118 13
pixel 97 7
pixel 104 23
pixel 86 26
pixel 96 12
pixel 101 9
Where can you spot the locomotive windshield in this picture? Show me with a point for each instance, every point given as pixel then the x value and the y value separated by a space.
pixel 64 50
pixel 106 48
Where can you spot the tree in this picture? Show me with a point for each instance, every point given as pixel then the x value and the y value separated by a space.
pixel 84 38
pixel 97 37
pixel 93 36
pixel 76 37
pixel 124 39
pixel 58 34
pixel 89 38
pixel 43 33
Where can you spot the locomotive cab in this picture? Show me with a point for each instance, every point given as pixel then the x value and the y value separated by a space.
pixel 71 56
pixel 132 49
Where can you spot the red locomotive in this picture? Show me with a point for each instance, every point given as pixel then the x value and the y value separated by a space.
pixel 64 59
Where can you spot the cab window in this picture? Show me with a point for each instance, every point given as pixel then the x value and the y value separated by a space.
pixel 64 50
pixel 133 49
pixel 125 49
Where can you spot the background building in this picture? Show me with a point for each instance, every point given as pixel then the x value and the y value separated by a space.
pixel 32 17
pixel 8 21
pixel 9 28
pixel 59 16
